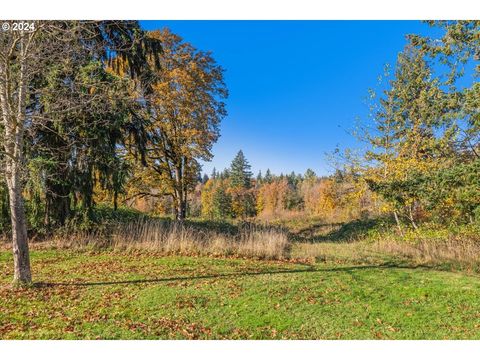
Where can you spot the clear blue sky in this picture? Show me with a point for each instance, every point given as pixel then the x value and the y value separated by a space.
pixel 296 87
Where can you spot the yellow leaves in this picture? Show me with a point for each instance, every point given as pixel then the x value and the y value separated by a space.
pixel 319 197
pixel 118 67
pixel 271 197
pixel 185 111
pixel 327 195
pixel 210 193
pixel 386 208
pixel 207 199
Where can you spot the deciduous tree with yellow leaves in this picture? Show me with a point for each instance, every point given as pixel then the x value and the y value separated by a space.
pixel 185 110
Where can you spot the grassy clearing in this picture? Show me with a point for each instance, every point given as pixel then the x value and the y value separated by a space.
pixel 139 295
pixel 153 279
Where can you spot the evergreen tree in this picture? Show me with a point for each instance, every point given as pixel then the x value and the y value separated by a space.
pixel 240 171
pixel 310 175
pixel 204 179
pixel 268 177
pixel 412 138
pixel 222 202
pixel 225 174
pixel 292 179
pixel 259 179
pixel 214 174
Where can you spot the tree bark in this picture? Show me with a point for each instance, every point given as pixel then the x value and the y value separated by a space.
pixel 397 220
pixel 411 217
pixel 13 110
pixel 180 208
pixel 21 257
pixel 115 200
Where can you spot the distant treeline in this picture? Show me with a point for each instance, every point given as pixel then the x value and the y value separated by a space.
pixel 235 194
pixel 128 128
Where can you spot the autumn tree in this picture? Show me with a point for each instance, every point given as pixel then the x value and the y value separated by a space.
pixel 185 111
pixel 276 196
pixel 207 199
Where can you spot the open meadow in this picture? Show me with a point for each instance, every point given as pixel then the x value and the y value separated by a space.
pixel 317 290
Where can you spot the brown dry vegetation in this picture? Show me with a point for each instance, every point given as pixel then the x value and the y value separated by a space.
pixel 295 239
pixel 168 237
pixel 442 248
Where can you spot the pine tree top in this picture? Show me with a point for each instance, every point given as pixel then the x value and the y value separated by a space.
pixel 240 173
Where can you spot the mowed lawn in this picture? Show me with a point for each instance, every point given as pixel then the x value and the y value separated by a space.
pixel 115 295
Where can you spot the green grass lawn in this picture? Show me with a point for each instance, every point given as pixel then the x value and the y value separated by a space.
pixel 114 295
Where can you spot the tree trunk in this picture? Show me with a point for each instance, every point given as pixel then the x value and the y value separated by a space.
pixel 412 217
pixel 21 258
pixel 397 220
pixel 185 203
pixel 180 204
pixel 181 210
pixel 115 200
pixel 13 111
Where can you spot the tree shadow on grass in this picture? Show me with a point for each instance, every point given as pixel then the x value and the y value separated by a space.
pixel 311 269
pixel 316 231
pixel 344 232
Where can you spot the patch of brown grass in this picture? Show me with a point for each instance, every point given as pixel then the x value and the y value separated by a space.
pixel 453 254
pixel 177 238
